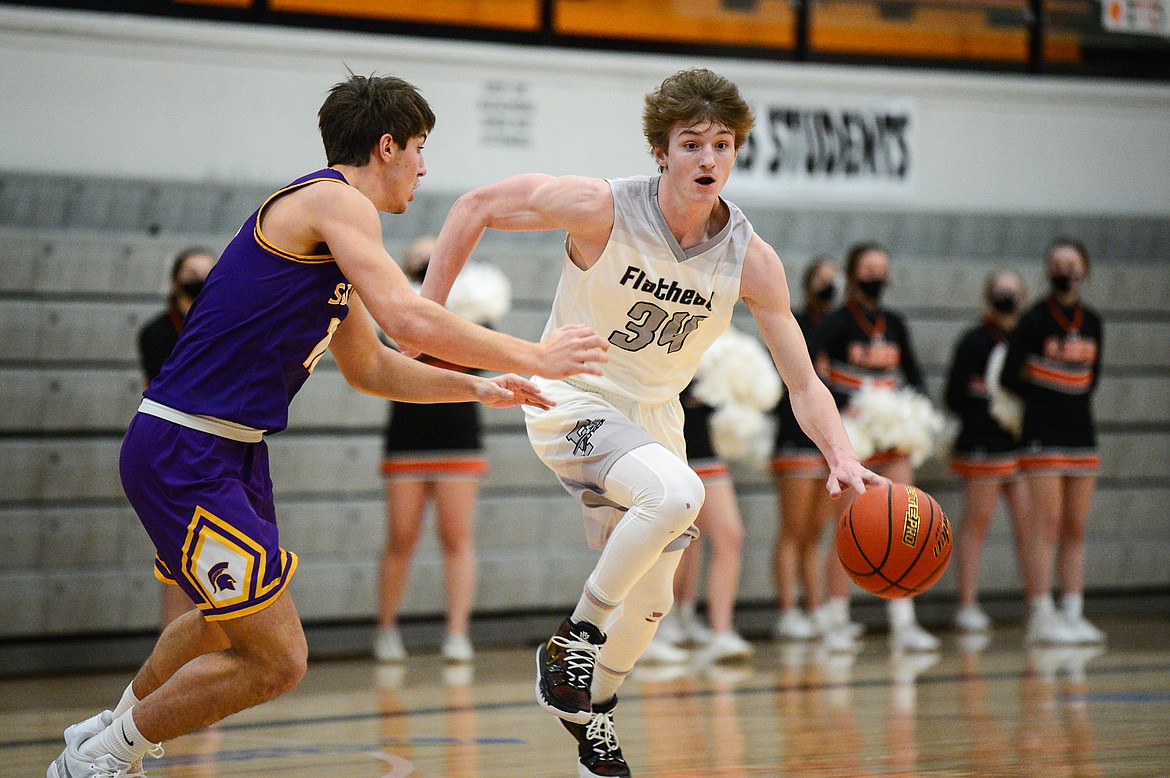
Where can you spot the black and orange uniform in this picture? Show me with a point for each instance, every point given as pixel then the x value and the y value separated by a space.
pixel 856 346
pixel 794 453
pixel 983 448
pixel 157 339
pixel 1053 363
pixel 432 441
pixel 701 454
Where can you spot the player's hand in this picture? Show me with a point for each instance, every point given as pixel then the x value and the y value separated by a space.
pixel 571 350
pixel 507 390
pixel 850 474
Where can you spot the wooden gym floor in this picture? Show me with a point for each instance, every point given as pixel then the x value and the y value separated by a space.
pixel 995 710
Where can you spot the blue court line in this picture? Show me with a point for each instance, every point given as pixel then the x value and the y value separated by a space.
pixel 286 752
pixel 1006 675
pixel 1153 697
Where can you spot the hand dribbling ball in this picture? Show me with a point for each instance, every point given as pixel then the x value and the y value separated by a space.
pixel 894 541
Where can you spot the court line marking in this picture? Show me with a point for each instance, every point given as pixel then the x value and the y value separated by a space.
pixel 1003 675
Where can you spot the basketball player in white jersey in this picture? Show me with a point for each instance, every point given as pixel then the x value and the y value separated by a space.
pixel 655 264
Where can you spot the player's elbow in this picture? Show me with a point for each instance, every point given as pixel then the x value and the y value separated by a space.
pixel 472 210
pixel 414 325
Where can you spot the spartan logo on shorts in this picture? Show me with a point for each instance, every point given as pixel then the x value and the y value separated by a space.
pixel 221 578
pixel 581 434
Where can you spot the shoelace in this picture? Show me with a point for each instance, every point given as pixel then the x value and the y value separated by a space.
pixel 601 734
pixel 136 770
pixel 580 657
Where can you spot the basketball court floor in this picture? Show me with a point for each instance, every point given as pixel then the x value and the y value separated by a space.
pixel 971 710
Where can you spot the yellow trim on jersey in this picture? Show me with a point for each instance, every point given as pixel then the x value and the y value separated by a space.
pixel 272 248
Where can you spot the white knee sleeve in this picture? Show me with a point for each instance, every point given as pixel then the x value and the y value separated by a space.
pixel 636 623
pixel 663 496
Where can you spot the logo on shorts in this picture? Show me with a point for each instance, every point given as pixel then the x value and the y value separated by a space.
pixel 221 580
pixel 581 434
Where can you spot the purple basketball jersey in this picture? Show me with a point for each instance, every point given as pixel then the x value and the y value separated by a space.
pixel 256 331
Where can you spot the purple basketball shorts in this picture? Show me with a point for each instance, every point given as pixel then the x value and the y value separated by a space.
pixel 206 503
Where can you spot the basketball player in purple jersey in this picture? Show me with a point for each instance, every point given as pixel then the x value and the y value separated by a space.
pixel 194 463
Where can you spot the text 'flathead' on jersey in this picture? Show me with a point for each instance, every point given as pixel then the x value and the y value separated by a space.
pixel 671 293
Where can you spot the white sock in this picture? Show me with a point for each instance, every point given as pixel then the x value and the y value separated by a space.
pixel 901 612
pixel 128 701
pixel 1042 604
pixel 121 739
pixel 593 608
pixel 1073 605
pixel 606 682
pixel 838 610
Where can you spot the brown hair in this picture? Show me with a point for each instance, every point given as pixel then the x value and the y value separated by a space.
pixel 693 96
pixel 361 109
pixel 817 263
pixel 1069 243
pixel 182 257
pixel 856 252
pixel 994 275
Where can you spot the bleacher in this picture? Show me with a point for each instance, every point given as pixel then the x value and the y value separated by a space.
pixel 84 264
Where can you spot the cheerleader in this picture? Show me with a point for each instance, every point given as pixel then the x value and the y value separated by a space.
pixel 1053 363
pixel 432 452
pixel 799 472
pixel 860 345
pixel 986 454
pixel 721 526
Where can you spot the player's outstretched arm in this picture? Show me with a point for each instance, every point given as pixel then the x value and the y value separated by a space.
pixel 764 288
pixel 373 368
pixel 534 201
pixel 348 222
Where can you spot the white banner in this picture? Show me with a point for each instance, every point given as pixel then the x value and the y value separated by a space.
pixel 831 146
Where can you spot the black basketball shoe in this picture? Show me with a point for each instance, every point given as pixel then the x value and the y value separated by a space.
pixel 564 670
pixel 598 751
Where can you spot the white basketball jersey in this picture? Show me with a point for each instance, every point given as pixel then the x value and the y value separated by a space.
pixel 660 307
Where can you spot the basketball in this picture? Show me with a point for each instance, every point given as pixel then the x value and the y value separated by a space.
pixel 894 541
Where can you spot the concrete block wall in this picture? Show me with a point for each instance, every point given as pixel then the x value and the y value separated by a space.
pixel 82 275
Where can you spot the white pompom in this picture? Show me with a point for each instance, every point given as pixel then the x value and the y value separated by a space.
pixel 899 419
pixel 858 437
pixel 741 434
pixel 1006 408
pixel 481 293
pixel 736 369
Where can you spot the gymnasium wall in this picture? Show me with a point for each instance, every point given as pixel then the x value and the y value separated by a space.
pixel 127 139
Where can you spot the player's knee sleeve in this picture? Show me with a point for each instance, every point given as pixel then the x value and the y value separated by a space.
pixel 653 595
pixel 648 601
pixel 658 487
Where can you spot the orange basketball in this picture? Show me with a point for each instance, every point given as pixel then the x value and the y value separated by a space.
pixel 894 541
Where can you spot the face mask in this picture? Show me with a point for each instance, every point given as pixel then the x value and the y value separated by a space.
pixel 826 293
pixel 1060 283
pixel 1004 303
pixel 872 289
pixel 191 289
